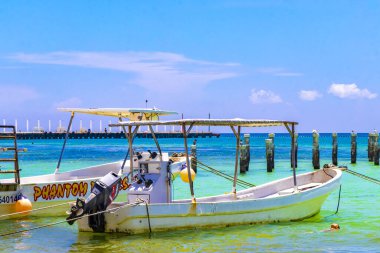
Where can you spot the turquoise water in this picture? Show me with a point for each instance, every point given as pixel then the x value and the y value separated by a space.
pixel 358 216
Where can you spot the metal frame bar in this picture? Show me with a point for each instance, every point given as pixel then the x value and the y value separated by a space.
pixel 234 131
pixel 189 129
pixel 64 143
pixel 16 165
pixel 155 140
pixel 237 135
pixel 126 156
pixel 125 131
pixel 130 139
pixel 184 132
pixel 287 127
pixel 293 158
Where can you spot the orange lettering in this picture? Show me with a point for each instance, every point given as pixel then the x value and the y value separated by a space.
pixel 74 189
pixel 124 183
pixel 67 189
pixel 92 184
pixel 83 188
pixel 60 191
pixel 37 192
pixel 53 191
pixel 45 192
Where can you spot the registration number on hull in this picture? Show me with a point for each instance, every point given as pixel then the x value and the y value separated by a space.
pixel 10 198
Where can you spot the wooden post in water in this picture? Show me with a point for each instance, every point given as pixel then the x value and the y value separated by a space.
pixel 269 154
pixel 376 148
pixel 316 163
pixel 370 147
pixel 294 161
pixel 194 156
pixel 271 136
pixel 246 141
pixel 244 154
pixel 243 158
pixel 354 147
pixel 335 149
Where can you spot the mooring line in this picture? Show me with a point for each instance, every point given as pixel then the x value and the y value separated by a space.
pixel 224 175
pixel 35 210
pixel 67 220
pixel 370 179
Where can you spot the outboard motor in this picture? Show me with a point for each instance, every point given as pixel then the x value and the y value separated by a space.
pixel 104 192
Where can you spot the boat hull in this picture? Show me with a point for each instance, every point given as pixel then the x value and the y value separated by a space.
pixel 133 219
pixel 51 194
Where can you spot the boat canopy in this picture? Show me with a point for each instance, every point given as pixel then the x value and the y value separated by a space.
pixel 187 125
pixel 211 122
pixel 134 114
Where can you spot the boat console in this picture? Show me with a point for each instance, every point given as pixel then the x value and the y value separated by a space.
pixel 151 183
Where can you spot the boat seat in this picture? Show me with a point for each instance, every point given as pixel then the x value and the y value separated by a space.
pixel 246 196
pixel 308 186
pixel 286 191
pixel 300 188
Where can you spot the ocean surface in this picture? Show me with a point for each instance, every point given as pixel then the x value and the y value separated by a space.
pixel 358 216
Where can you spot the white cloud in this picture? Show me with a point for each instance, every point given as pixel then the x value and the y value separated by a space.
pixel 15 95
pixel 264 97
pixel 156 71
pixel 350 91
pixel 309 95
pixel 70 102
pixel 278 72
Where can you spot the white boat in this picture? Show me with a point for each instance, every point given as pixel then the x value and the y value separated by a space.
pixel 150 207
pixel 57 189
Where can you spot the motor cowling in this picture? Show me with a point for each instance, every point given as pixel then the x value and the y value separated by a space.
pixel 105 190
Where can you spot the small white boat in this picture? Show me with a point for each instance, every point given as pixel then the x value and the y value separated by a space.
pixel 57 189
pixel 150 207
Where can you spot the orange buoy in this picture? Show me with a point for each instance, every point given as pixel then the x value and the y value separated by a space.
pixel 23 205
pixel 184 175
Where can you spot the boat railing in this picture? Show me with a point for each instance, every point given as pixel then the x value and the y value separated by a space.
pixel 12 158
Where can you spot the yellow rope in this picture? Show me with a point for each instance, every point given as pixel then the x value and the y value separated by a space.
pixel 67 220
pixel 35 210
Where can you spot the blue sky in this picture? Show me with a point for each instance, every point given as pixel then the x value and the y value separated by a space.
pixel 315 62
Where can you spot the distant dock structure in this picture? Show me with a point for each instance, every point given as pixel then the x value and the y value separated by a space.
pixel 114 135
pixel 104 131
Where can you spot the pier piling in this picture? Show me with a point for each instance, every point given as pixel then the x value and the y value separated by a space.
pixel 316 162
pixel 269 154
pixel 375 149
pixel 271 136
pixel 245 156
pixel 370 147
pixel 335 149
pixel 354 147
pixel 246 140
pixel 294 161
pixel 194 156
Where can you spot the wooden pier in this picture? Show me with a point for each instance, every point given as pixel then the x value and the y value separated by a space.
pixel 116 135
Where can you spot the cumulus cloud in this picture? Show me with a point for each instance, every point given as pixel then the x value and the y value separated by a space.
pixel 278 72
pixel 309 95
pixel 264 97
pixel 156 71
pixel 350 91
pixel 16 95
pixel 70 102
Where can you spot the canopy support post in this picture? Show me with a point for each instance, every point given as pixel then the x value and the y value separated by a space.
pixel 125 131
pixel 155 140
pixel 126 156
pixel 184 132
pixel 237 135
pixel 130 139
pixel 293 158
pixel 64 142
